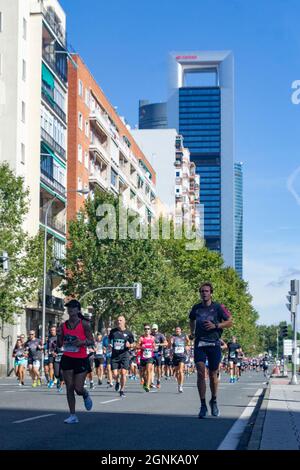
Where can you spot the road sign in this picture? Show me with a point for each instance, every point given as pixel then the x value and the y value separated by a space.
pixel 287 347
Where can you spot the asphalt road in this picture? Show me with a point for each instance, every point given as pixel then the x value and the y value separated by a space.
pixel 160 420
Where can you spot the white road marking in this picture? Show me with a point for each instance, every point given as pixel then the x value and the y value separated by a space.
pixel 231 440
pixel 109 401
pixel 32 419
pixel 9 391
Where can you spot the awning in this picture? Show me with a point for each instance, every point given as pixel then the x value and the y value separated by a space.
pixel 47 77
pixel 62 164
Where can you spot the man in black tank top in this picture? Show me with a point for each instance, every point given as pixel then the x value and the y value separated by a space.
pixel 179 343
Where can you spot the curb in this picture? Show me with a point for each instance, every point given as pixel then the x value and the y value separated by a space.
pixel 251 437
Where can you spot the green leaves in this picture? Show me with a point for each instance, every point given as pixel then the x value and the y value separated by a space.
pixel 170 275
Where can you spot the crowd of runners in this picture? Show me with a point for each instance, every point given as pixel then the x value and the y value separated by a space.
pixel 74 358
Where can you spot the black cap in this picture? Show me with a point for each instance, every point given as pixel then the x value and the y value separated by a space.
pixel 73 303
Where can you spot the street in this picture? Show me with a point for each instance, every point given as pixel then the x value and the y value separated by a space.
pixel 160 420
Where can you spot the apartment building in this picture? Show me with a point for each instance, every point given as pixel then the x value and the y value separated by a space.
pixel 101 150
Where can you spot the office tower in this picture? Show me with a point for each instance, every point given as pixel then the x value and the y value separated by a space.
pixel 238 217
pixel 152 115
pixel 102 151
pixel 200 106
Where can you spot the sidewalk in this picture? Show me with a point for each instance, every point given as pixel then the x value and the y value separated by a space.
pixel 279 417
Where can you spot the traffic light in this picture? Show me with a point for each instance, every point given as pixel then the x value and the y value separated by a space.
pixel 284 331
pixel 137 290
pixel 292 305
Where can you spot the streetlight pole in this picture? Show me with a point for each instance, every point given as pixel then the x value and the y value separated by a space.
pixel 82 191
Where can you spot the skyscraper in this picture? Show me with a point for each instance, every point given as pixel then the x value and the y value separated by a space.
pixel 152 115
pixel 238 217
pixel 200 107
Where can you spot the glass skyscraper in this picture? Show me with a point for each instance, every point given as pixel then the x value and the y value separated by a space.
pixel 200 106
pixel 200 125
pixel 238 217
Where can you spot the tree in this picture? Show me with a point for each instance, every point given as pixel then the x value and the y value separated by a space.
pixel 21 284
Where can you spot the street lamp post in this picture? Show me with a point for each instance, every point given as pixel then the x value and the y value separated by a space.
pixel 82 191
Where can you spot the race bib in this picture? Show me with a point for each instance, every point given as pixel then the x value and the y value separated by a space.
pixel 99 351
pixel 179 350
pixel 147 353
pixel 58 358
pixel 232 355
pixel 68 347
pixel 202 344
pixel 119 345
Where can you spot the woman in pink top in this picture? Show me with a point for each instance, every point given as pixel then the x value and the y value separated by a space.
pixel 147 345
pixel 74 336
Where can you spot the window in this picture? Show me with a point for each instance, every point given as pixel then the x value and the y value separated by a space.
pixel 80 121
pixel 80 88
pixel 80 153
pixel 23 111
pixel 87 97
pixel 87 128
pixel 23 154
pixel 113 178
pixel 23 70
pixel 86 160
pixel 24 28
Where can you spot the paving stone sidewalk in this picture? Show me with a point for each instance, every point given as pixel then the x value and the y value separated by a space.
pixel 281 427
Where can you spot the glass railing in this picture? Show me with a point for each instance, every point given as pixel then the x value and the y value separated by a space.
pixel 50 59
pixel 52 222
pixel 55 26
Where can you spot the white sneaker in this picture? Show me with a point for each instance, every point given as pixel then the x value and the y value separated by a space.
pixel 180 388
pixel 72 419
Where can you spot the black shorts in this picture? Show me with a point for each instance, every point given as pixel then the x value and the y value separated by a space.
pixel 177 360
pixel 167 361
pixel 99 361
pixel 51 359
pixel 233 360
pixel 157 360
pixel 213 354
pixel 120 362
pixel 78 365
pixel 144 362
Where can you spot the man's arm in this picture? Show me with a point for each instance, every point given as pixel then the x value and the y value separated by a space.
pixel 59 334
pixel 193 327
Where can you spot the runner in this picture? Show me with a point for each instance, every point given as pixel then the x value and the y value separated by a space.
pixel 107 357
pixel 51 348
pixel 266 367
pixel 34 349
pixel 207 321
pixel 223 347
pixel 122 341
pixel 147 346
pixel 99 358
pixel 19 354
pixel 133 365
pixel 179 344
pixel 234 349
pixel 58 373
pixel 168 362
pixel 75 336
pixel 160 343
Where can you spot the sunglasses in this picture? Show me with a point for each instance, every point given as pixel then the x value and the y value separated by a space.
pixel 146 328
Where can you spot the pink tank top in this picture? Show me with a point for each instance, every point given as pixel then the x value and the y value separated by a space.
pixel 147 347
pixel 69 349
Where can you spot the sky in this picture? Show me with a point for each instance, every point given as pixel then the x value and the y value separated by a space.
pixel 126 45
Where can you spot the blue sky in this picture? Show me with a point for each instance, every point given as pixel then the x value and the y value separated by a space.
pixel 126 44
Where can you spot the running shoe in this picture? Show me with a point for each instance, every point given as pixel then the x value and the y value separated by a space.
pixel 50 384
pixel 122 394
pixel 92 386
pixel 214 408
pixel 180 388
pixel 203 412
pixel 152 386
pixel 158 384
pixel 60 389
pixel 34 384
pixel 72 419
pixel 146 388
pixel 88 402
pixel 117 386
pixel 99 382
pixel 39 382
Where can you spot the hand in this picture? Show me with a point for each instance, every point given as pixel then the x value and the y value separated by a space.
pixel 127 344
pixel 78 343
pixel 208 325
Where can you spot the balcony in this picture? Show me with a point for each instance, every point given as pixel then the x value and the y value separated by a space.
pixel 52 182
pixel 49 58
pixel 100 120
pixel 53 105
pixel 54 24
pixel 53 144
pixel 96 178
pixel 53 303
pixel 52 222
pixel 124 149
